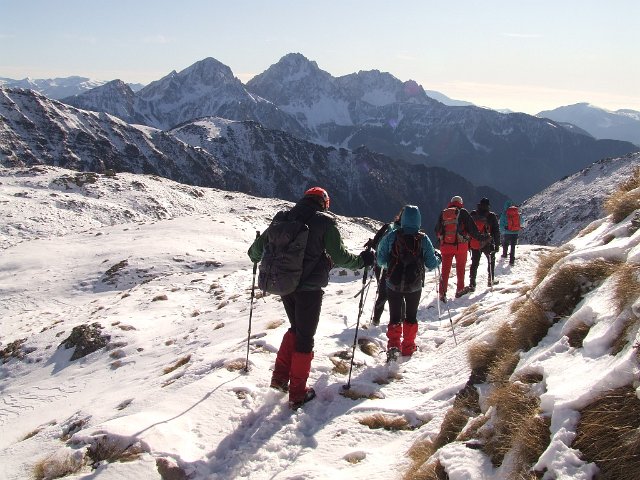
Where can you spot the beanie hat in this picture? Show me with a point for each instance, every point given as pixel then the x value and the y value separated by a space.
pixel 484 201
pixel 320 195
pixel 456 201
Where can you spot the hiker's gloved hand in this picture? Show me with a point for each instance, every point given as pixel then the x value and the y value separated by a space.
pixel 368 258
pixel 438 255
pixel 368 243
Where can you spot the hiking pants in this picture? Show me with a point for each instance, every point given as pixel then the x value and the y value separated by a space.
pixel 381 298
pixel 448 253
pixel 398 302
pixel 509 240
pixel 303 311
pixel 475 262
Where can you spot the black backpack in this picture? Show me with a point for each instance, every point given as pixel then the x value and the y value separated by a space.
pixel 283 255
pixel 406 270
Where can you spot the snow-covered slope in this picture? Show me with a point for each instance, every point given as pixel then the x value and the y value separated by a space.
pixel 162 269
pixel 559 212
pixel 599 122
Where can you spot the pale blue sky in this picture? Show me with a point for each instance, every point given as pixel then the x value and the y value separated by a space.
pixel 523 55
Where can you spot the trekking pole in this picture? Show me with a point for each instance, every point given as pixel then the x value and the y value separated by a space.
pixel 450 320
pixel 437 275
pixel 355 337
pixel 253 290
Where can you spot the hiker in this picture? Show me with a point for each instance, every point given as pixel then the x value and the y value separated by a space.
pixel 381 294
pixel 453 229
pixel 324 249
pixel 510 226
pixel 487 222
pixel 404 253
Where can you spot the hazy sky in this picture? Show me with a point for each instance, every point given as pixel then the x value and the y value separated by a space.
pixel 524 55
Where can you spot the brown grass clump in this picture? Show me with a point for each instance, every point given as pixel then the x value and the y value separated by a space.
pixel 355 394
pixel 624 201
pixel 517 424
pixel 339 366
pixel 547 261
pixel 609 434
pixel 235 365
pixel 379 420
pixel 56 465
pixel 368 347
pixel 627 334
pixel 577 334
pixel 564 290
pixel 588 229
pixel 627 285
pixel 273 324
pixel 464 407
pixel 178 364
pixel 429 471
pixel 113 450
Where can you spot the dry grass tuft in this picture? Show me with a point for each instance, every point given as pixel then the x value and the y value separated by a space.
pixel 531 325
pixel 178 364
pixel 386 422
pixel 516 424
pixel 564 290
pixel 592 227
pixel 547 261
pixel 56 465
pixel 609 434
pixel 577 334
pixel 235 365
pixel 429 471
pixel 464 407
pixel 355 394
pixel 273 324
pixel 529 378
pixel 624 201
pixel 627 285
pixel 339 366
pixel 368 347
pixel 628 333
pixel 113 450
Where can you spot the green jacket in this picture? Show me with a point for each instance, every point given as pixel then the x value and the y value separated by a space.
pixel 325 248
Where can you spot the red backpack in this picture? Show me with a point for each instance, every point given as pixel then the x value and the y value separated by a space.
pixel 483 227
pixel 513 219
pixel 450 234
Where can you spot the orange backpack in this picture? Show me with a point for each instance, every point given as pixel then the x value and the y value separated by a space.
pixel 483 227
pixel 513 219
pixel 450 234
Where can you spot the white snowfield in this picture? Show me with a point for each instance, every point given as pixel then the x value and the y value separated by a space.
pixel 162 267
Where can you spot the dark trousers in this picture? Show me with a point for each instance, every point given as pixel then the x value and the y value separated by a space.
pixel 475 262
pixel 509 240
pixel 381 295
pixel 409 301
pixel 303 311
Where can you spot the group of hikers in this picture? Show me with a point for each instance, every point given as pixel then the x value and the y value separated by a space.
pixel 300 246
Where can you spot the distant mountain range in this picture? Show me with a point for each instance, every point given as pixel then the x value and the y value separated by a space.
pixel 517 154
pixel 598 122
pixel 58 88
pixel 230 155
pixel 560 211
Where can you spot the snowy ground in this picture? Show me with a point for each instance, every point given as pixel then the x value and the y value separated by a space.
pixel 184 293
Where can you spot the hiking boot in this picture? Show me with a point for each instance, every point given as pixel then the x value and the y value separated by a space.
pixel 512 262
pixel 392 354
pixel 309 395
pixel 491 283
pixel 375 322
pixel 443 298
pixel 463 291
pixel 279 385
pixel 503 256
pixel 472 288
